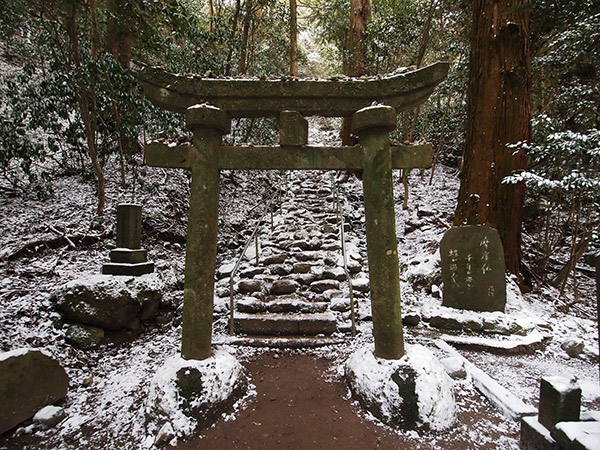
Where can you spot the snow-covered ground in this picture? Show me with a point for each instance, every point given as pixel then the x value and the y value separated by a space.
pixel 105 404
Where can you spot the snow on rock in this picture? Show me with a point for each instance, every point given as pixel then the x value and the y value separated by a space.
pixel 412 390
pixel 185 395
pixel 49 416
pixel 109 302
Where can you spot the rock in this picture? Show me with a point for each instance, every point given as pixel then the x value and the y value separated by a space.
pixel 251 272
pixel 435 291
pixel 340 304
pixel 225 270
pixel 572 346
pixel 250 305
pixel 280 269
pixel 190 394
pixel 361 284
pixel 454 367
pixel 445 323
pixel 49 416
pixel 329 294
pixel 275 259
pixel 301 267
pixel 249 286
pixel 312 244
pixel 303 278
pixel 414 390
pixel 411 319
pixel 164 435
pixel 29 379
pixel 336 273
pixel 84 336
pixel 324 285
pixel 354 266
pixel 283 287
pixel 109 302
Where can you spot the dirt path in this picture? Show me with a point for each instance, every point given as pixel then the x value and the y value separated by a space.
pixel 295 408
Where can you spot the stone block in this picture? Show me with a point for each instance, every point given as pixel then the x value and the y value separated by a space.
pixel 129 226
pixel 128 256
pixel 535 436
pixel 560 401
pixel 577 435
pixel 126 269
pixel 293 129
pixel 472 261
pixel 29 379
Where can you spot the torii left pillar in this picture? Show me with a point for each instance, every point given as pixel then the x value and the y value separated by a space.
pixel 208 124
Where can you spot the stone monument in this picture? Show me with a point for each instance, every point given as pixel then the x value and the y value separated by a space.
pixel 128 258
pixel 473 269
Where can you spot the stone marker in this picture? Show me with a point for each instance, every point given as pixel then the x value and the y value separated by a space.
pixel 29 379
pixel 129 258
pixel 473 269
pixel 560 401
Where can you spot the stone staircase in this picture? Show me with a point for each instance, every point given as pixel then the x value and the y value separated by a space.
pixel 298 291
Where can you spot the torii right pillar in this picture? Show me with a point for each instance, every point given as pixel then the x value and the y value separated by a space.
pixel 373 125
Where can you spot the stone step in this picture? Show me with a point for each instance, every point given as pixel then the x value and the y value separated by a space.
pixel 252 305
pixel 284 342
pixel 285 324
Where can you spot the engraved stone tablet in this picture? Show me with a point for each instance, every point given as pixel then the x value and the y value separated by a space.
pixel 473 269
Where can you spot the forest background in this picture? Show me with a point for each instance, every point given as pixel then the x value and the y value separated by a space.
pixel 70 103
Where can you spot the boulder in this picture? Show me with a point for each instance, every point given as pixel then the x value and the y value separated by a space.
pixel 29 379
pixel 190 394
pixel 109 302
pixel 412 391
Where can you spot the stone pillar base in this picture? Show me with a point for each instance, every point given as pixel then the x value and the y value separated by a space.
pixel 128 269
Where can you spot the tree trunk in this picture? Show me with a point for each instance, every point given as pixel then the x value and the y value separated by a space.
pixel 293 38
pixel 88 111
pixel 118 32
pixel 242 67
pixel 360 11
pixel 499 113
pixel 234 25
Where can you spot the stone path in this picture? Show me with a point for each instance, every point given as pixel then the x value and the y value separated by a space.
pixel 299 287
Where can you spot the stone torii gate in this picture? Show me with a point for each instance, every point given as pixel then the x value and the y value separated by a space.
pixel 290 99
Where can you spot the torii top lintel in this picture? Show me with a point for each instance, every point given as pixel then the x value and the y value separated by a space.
pixel 263 98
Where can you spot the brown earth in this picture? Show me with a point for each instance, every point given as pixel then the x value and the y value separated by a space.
pixel 296 407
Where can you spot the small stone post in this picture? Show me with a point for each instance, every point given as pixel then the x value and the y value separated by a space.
pixel 373 125
pixel 560 401
pixel 128 258
pixel 208 125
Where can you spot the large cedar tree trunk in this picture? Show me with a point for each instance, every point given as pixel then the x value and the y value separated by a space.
pixel 499 113
pixel 293 38
pixel 360 11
